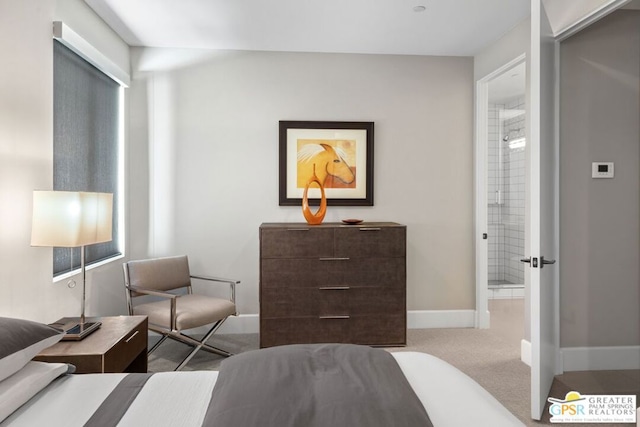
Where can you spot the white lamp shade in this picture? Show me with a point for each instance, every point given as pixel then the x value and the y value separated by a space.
pixel 71 219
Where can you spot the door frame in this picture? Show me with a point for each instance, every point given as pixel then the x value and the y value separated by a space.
pixel 591 17
pixel 483 317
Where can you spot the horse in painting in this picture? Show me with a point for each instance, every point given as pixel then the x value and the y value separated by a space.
pixel 328 161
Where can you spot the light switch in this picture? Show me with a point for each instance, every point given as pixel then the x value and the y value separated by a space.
pixel 602 170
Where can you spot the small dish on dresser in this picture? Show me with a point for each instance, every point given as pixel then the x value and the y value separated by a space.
pixel 352 221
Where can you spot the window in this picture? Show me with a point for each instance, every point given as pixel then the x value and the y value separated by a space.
pixel 85 143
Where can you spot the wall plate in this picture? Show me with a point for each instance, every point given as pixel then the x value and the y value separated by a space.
pixel 602 170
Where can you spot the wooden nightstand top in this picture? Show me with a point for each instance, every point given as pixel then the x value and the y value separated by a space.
pixel 120 345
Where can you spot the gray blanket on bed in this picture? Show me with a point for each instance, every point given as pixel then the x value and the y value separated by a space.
pixel 316 385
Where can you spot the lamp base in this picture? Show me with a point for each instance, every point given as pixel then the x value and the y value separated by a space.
pixel 80 330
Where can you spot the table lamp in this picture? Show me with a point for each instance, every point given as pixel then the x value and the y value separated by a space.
pixel 72 219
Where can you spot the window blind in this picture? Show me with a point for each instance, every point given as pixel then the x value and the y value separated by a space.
pixel 85 143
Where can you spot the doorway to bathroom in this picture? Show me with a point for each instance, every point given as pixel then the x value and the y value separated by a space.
pixel 506 140
pixel 500 199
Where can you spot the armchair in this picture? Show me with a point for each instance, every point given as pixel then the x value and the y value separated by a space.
pixel 179 308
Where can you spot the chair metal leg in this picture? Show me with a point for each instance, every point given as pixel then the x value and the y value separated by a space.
pixel 156 345
pixel 216 350
pixel 209 334
pixel 187 359
pixel 197 345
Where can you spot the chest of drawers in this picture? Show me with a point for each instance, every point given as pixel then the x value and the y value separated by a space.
pixel 333 283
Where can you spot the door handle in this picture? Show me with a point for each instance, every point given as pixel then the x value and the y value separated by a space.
pixel 546 261
pixel 534 261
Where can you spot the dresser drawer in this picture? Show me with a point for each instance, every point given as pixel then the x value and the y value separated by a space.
pixel 296 242
pixel 304 302
pixel 333 271
pixel 356 272
pixel 367 330
pixel 377 301
pixel 379 330
pixel 331 301
pixel 303 330
pixel 291 272
pixel 364 242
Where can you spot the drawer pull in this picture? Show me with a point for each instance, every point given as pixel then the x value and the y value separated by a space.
pixel 333 259
pixel 334 288
pixel 297 229
pixel 334 317
pixel 131 337
pixel 370 229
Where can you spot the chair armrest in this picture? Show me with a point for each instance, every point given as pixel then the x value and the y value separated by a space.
pixel 215 279
pixel 155 293
pixel 151 292
pixel 232 283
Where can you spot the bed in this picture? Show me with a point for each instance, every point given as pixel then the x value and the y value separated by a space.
pixel 283 386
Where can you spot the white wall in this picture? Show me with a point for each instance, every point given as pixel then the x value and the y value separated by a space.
pixel 26 157
pixel 508 47
pixel 204 157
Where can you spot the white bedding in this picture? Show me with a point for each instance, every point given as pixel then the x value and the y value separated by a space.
pixel 450 397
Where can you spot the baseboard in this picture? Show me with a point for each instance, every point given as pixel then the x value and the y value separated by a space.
pixel 427 319
pixel 525 352
pixel 416 319
pixel 591 358
pixel 600 358
pixel 483 322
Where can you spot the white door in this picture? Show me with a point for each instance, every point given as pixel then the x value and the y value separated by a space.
pixel 542 207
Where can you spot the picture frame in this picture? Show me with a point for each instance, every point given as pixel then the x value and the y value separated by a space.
pixel 341 153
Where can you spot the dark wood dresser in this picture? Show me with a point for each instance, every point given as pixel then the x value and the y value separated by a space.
pixel 333 283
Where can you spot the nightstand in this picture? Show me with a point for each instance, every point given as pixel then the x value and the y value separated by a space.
pixel 120 345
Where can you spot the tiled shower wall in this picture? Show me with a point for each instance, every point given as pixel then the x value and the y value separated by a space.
pixel 494 179
pixel 506 192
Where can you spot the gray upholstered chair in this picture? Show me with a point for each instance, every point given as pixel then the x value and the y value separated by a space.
pixel 178 308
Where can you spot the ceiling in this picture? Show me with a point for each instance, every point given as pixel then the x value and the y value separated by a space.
pixel 445 27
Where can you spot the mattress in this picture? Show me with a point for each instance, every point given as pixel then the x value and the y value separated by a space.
pixel 450 397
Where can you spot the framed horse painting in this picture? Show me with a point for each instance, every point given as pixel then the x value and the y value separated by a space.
pixel 340 154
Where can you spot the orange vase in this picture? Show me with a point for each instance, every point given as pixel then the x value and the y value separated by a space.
pixel 314 218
